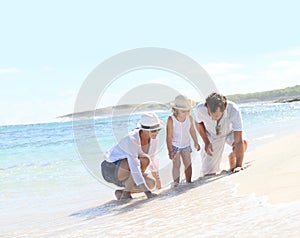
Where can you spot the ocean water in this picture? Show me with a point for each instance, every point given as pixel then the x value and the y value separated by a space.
pixel 43 180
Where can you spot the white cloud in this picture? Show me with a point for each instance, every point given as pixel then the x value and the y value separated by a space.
pixel 286 64
pixel 33 111
pixel 9 70
pixel 26 109
pixel 282 74
pixel 232 78
pixel 236 78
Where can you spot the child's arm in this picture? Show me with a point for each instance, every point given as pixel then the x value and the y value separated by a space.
pixel 193 134
pixel 169 137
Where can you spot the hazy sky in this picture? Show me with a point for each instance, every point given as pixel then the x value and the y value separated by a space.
pixel 48 48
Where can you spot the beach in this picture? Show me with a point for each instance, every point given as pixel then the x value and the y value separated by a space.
pixel 77 78
pixel 274 171
pixel 46 190
pixel 263 200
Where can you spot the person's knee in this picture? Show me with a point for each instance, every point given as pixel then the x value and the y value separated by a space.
pixel 186 159
pixel 176 163
pixel 123 170
pixel 145 161
pixel 187 165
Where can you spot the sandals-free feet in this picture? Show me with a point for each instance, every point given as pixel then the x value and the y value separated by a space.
pixel 174 185
pixel 237 169
pixel 125 195
pixel 118 194
pixel 122 195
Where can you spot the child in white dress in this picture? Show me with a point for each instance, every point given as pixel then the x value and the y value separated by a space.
pixel 179 128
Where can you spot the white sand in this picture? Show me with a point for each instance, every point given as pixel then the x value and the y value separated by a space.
pixel 274 171
pixel 209 208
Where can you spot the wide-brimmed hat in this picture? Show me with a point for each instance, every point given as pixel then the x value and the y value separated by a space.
pixel 182 102
pixel 150 121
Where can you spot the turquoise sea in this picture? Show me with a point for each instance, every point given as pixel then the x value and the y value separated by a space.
pixel 42 175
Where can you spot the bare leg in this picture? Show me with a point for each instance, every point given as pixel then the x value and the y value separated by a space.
pixel 145 161
pixel 186 159
pixel 232 157
pixel 124 174
pixel 149 181
pixel 176 168
pixel 131 187
pixel 124 170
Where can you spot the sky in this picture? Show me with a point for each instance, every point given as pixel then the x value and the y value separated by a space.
pixel 48 48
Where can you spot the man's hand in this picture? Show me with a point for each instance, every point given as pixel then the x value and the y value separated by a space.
pixel 208 148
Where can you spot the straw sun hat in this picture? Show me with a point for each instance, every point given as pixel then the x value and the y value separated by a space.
pixel 150 121
pixel 182 102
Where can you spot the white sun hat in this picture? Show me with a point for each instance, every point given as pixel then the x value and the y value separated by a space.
pixel 182 102
pixel 149 121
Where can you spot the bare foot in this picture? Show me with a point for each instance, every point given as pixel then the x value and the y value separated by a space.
pixel 174 185
pixel 118 194
pixel 212 174
pixel 237 169
pixel 125 195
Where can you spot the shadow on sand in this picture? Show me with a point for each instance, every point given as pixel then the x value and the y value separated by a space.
pixel 115 207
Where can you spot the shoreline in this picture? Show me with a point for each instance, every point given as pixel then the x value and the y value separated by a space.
pixel 76 205
pixel 128 109
pixel 273 170
pixel 194 204
pixel 205 206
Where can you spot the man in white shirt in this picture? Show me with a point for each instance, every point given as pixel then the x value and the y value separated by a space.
pixel 126 162
pixel 219 121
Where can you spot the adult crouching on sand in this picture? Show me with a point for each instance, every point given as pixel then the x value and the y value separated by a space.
pixel 126 162
pixel 219 121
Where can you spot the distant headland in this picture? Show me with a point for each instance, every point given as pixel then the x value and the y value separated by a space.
pixel 285 95
pixel 289 94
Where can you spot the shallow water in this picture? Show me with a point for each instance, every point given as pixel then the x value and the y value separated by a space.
pixel 207 208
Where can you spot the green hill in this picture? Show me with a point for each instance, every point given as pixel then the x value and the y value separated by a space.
pixel 279 95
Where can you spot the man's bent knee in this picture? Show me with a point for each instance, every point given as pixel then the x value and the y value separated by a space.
pixel 245 144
